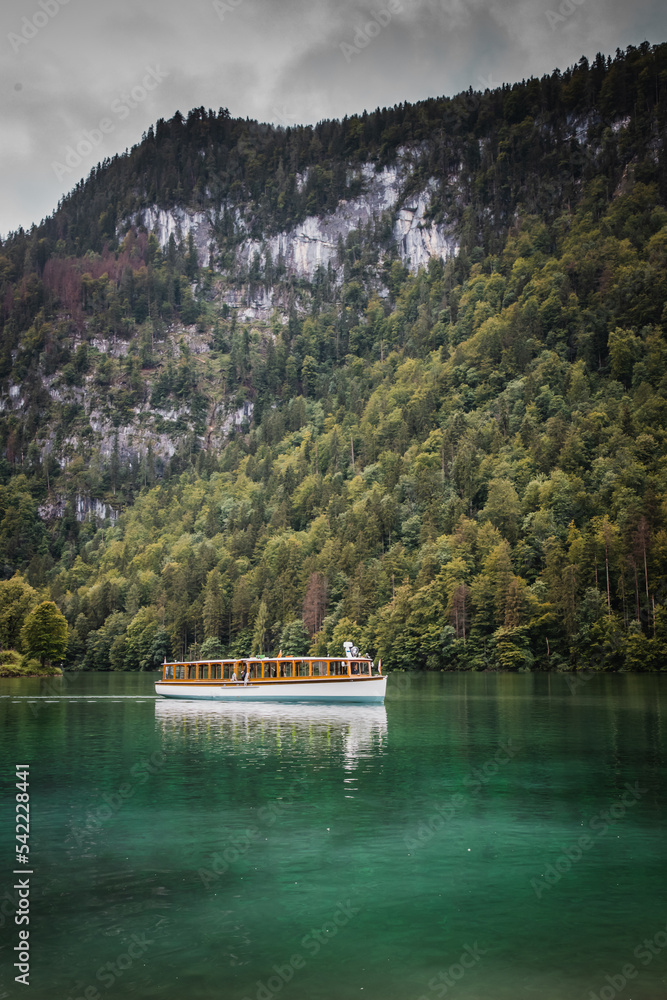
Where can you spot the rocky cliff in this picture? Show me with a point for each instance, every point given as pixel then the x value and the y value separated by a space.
pixel 315 242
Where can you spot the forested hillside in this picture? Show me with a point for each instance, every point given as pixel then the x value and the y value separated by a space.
pixel 458 468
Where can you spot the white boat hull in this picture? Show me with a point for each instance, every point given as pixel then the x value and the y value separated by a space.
pixel 367 690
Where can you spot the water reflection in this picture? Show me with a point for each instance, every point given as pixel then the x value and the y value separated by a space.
pixel 357 730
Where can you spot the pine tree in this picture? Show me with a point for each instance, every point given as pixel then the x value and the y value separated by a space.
pixel 213 606
pixel 259 635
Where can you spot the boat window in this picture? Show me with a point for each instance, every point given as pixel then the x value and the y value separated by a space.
pixel 216 670
pixel 286 669
pixel 192 672
pixel 203 672
pixel 180 671
pixel 169 673
pixel 319 668
pixel 338 668
pixel 270 669
pixel 254 670
pixel 302 669
pixel 227 671
pixel 365 668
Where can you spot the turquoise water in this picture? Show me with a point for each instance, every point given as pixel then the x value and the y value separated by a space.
pixel 418 849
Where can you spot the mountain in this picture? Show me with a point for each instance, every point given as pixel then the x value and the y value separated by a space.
pixel 399 377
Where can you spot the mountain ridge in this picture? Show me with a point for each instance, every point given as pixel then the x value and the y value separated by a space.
pixel 451 447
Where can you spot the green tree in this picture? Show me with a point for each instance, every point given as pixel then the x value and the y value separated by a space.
pixel 294 639
pixel 213 605
pixel 147 643
pixel 260 633
pixel 211 649
pixel 309 370
pixel 20 527
pixel 503 509
pixel 45 633
pixel 345 630
pixel 17 599
pixel 159 650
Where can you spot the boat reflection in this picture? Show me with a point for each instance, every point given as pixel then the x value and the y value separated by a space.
pixel 357 730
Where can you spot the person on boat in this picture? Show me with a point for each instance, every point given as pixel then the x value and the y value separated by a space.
pixel 234 677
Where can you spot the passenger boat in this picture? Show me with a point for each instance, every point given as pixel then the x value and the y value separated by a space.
pixel 284 678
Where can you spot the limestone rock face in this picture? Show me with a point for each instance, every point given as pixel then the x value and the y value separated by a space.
pixel 84 507
pixel 252 303
pixel 314 242
pixel 179 223
pixel 420 240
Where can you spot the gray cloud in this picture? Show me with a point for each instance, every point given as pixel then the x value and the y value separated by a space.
pixel 278 60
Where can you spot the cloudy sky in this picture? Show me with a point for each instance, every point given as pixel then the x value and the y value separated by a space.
pixel 86 73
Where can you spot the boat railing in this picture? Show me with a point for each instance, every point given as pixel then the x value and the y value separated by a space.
pixel 292 668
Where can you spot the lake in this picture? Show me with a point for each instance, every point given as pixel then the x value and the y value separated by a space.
pixel 480 837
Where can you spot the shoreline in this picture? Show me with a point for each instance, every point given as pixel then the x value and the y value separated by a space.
pixel 21 676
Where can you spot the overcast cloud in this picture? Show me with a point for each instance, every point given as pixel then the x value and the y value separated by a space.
pixel 112 68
